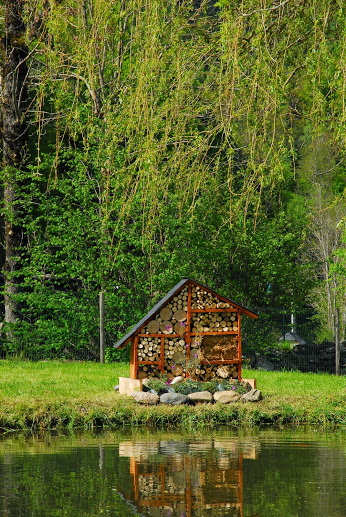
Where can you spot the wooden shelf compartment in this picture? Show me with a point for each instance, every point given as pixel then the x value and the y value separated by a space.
pixel 148 362
pixel 169 336
pixel 163 335
pixel 228 332
pixel 213 310
pixel 225 361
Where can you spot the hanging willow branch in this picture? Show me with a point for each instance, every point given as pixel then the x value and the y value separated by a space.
pixel 182 94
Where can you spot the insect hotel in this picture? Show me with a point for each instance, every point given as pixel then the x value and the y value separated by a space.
pixel 192 331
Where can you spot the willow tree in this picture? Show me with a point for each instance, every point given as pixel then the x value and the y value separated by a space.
pixel 167 133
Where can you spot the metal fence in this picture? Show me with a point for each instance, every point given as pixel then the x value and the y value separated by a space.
pixel 284 340
pixel 62 326
pixel 68 327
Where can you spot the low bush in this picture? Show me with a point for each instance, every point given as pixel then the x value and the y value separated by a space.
pixel 161 385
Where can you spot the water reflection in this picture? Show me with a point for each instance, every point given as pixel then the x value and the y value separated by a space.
pixel 185 479
pixel 286 473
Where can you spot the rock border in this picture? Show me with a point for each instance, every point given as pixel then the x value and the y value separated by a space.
pixel 199 397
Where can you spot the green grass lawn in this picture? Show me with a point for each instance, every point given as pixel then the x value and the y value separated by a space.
pixel 297 384
pixel 52 394
pixel 54 379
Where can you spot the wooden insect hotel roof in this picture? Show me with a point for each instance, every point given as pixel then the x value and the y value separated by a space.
pixel 192 331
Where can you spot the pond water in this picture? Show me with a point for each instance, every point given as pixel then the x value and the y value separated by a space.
pixel 213 473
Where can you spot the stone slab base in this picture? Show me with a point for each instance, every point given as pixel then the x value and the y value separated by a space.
pixel 128 386
pixel 252 382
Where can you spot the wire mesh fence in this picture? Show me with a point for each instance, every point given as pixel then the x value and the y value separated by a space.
pixel 60 325
pixel 284 340
pixel 275 325
pixel 65 326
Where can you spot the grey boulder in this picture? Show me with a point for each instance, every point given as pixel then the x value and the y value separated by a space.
pixel 200 396
pixel 144 397
pixel 252 396
pixel 174 399
pixel 226 397
pixel 219 387
pixel 262 363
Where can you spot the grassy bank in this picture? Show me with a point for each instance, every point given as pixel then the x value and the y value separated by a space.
pixel 49 395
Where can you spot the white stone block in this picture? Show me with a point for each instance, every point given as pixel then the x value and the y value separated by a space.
pixel 128 386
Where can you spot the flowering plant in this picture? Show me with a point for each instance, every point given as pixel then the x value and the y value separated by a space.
pixel 159 384
pixel 240 387
pixel 192 365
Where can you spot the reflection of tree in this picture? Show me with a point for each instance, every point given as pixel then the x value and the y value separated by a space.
pixel 304 478
pixel 43 478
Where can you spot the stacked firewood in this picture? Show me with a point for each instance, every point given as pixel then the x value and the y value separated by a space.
pixel 148 371
pixel 202 372
pixel 172 321
pixel 201 299
pixel 149 349
pixel 209 372
pixel 175 356
pixel 175 483
pixel 174 345
pixel 172 317
pixel 214 322
pixel 179 302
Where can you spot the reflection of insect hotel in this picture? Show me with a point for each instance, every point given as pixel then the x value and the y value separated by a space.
pixel 192 331
pixel 173 479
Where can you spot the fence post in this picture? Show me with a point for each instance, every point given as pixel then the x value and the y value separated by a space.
pixel 293 320
pixel 102 328
pixel 337 342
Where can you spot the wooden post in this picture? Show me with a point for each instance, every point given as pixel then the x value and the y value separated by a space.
pixel 135 347
pixel 240 484
pixel 162 358
pixel 337 342
pixel 239 345
pixel 134 472
pixel 188 323
pixel 101 457
pixel 133 372
pixel 102 328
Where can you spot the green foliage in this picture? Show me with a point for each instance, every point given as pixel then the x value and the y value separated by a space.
pixel 114 355
pixel 191 386
pixel 338 262
pixel 159 384
pixel 156 153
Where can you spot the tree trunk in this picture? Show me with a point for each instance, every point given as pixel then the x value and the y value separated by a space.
pixel 13 76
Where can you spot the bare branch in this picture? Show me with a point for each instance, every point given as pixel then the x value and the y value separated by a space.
pixel 92 92
pixel 245 15
pixel 293 73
